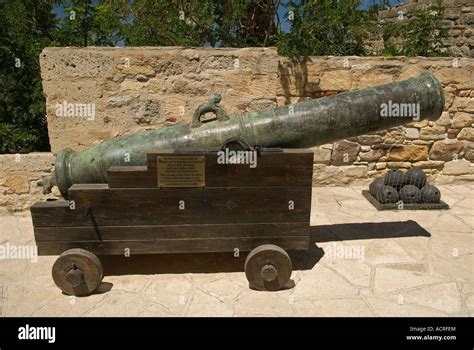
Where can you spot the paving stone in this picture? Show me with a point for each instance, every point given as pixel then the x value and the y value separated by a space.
pixel 386 252
pixel 155 310
pixel 42 267
pixel 452 244
pixel 172 291
pixel 128 283
pixel 464 207
pixel 117 304
pixel 204 304
pixel 452 200
pixel 225 287
pixel 385 308
pixel 68 306
pixel 343 217
pixel 8 228
pixel 466 190
pixel 323 283
pixel 451 223
pixel 25 300
pixel 318 219
pixel 416 247
pixel 443 297
pixel 459 269
pixel 467 286
pixel 13 270
pixel 470 302
pixel 356 205
pixel 261 303
pixel 469 220
pixel 357 273
pixel 389 280
pixel 333 308
pixel 424 270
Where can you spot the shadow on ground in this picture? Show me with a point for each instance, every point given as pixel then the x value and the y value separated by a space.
pixel 226 262
pixel 366 230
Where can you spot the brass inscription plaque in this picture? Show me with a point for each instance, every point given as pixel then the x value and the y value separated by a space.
pixel 181 171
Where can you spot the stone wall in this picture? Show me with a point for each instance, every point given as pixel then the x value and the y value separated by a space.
pixel 19 175
pixel 458 18
pixel 443 149
pixel 136 89
pixel 141 88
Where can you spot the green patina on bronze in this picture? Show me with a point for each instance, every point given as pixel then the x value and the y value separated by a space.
pixel 304 124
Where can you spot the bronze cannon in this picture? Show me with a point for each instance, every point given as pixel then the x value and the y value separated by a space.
pixel 168 191
pixel 304 124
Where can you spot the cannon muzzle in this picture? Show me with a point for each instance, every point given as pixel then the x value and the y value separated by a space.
pixel 304 124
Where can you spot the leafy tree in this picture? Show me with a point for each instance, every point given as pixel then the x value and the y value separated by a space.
pixel 327 27
pixel 88 22
pixel 212 23
pixel 169 23
pixel 419 36
pixel 245 23
pixel 26 27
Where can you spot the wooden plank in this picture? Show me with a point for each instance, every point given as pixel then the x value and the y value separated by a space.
pixel 46 213
pixel 130 176
pixel 273 169
pixel 174 245
pixel 287 168
pixel 137 206
pixel 152 232
pixel 125 207
pixel 60 203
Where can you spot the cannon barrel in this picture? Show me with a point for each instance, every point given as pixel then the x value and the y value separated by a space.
pixel 304 124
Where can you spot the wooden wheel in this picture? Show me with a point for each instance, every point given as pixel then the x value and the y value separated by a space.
pixel 268 267
pixel 77 272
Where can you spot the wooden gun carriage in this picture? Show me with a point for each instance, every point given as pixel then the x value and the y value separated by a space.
pixel 186 201
pixel 183 201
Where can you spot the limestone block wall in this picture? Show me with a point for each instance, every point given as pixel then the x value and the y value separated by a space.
pixel 443 149
pixel 134 89
pixel 137 88
pixel 19 175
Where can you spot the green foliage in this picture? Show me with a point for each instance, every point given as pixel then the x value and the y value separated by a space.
pixel 247 23
pixel 168 23
pixel 327 27
pixel 25 28
pixel 14 139
pixel 88 22
pixel 419 36
pixel 212 23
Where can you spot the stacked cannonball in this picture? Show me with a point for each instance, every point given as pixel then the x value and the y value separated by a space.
pixel 408 187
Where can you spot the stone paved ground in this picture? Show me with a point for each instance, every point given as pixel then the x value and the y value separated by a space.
pixel 366 263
